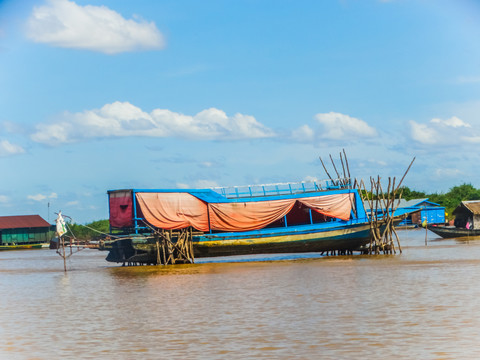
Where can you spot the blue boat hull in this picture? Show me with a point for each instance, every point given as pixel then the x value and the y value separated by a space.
pixel 335 236
pixel 297 239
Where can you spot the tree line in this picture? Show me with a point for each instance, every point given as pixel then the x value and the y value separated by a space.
pixel 450 200
pixel 92 231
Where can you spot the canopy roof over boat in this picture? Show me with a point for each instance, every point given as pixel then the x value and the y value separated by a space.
pixel 472 206
pixel 206 209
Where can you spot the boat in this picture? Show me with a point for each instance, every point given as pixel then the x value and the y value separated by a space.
pixel 20 247
pixel 273 218
pixel 466 223
pixel 449 232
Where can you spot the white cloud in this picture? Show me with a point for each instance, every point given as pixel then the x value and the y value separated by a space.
pixel 206 164
pixel 38 197
pixel 450 131
pixel 72 203
pixel 447 172
pixel 309 178
pixel 423 133
pixel 468 79
pixel 334 126
pixel 339 126
pixel 65 24
pixel 7 148
pixel 472 139
pixel 3 199
pixel 303 134
pixel 199 184
pixel 41 197
pixel 454 122
pixel 121 119
pixel 205 184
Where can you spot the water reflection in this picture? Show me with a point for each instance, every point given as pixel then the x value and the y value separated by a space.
pixel 418 304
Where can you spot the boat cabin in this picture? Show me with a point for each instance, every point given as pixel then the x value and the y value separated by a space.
pixel 467 215
pixel 233 209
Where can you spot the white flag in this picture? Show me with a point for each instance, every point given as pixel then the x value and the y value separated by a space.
pixel 61 227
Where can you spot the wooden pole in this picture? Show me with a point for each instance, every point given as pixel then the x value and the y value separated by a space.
pixel 326 171
pixel 63 253
pixel 157 242
pixel 344 181
pixel 164 244
pixel 346 163
pixel 403 177
pixel 426 230
pixel 334 167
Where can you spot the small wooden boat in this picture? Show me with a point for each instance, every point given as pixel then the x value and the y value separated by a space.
pixel 20 247
pixel 449 232
pixel 466 224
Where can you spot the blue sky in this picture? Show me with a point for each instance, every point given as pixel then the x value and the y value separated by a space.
pixel 105 94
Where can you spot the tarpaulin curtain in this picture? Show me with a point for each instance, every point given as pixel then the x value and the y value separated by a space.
pixel 172 211
pixel 337 206
pixel 121 210
pixel 245 216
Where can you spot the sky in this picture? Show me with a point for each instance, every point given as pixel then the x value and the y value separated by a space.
pixel 99 95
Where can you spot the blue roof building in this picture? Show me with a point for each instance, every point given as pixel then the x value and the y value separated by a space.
pixel 431 212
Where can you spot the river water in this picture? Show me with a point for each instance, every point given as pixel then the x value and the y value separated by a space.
pixel 421 304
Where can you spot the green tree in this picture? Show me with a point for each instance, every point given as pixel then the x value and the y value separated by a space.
pixel 409 194
pixel 88 231
pixel 455 196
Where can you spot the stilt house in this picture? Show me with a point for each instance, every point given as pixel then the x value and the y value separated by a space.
pixel 24 229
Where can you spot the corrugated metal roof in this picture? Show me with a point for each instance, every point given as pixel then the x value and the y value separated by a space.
pixel 402 203
pixel 22 221
pixel 473 206
pixel 411 203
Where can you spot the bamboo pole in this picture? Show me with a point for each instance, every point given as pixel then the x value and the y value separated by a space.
pixel 398 240
pixel 157 242
pixel 344 173
pixel 335 168
pixel 382 205
pixel 164 244
pixel 346 162
pixel 62 238
pixel 326 171
pixel 405 174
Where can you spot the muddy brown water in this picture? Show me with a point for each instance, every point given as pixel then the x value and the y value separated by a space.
pixel 422 304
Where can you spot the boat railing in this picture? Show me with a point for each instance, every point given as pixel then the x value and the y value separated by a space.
pixel 282 188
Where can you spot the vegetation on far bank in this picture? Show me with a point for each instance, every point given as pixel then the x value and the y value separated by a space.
pixel 449 200
pixel 90 231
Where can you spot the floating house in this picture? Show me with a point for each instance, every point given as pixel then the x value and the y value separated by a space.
pixel 431 212
pixel 418 211
pixel 24 229
pixel 467 215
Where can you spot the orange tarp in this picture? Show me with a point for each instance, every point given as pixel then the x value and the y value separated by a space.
pixel 244 216
pixel 172 211
pixel 337 206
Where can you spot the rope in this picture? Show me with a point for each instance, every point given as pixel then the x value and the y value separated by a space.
pixel 100 232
